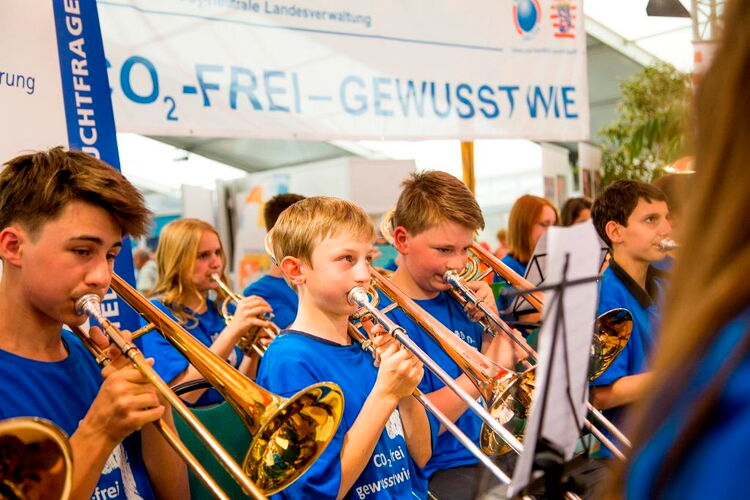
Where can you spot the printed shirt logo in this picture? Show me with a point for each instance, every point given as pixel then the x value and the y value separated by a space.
pixel 393 427
pixel 117 479
pixel 466 338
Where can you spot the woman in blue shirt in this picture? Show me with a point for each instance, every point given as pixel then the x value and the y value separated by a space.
pixel 189 253
pixel 692 431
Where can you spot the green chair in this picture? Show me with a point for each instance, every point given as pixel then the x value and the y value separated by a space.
pixel 224 424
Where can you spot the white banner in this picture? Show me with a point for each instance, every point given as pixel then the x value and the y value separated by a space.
pixel 340 69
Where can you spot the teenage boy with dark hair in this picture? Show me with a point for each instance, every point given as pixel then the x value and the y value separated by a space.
pixel 63 215
pixel 434 222
pixel 271 286
pixel 324 247
pixel 632 218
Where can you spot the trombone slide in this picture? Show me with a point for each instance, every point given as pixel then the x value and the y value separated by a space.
pixel 358 296
pixel 449 425
pixel 90 305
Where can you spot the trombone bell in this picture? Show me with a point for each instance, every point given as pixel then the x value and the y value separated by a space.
pixel 36 461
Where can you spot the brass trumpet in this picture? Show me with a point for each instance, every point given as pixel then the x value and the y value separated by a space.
pixel 289 434
pixel 36 461
pixel 249 342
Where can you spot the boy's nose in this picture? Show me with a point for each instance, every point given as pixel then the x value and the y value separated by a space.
pixel 457 263
pixel 99 275
pixel 362 273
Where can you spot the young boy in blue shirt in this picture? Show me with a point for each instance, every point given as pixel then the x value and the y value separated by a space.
pixel 63 215
pixel 435 220
pixel 632 218
pixel 324 247
pixel 271 286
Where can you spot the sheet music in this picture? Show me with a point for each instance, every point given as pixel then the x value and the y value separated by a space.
pixel 554 391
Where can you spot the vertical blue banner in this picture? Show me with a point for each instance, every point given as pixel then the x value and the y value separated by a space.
pixel 89 117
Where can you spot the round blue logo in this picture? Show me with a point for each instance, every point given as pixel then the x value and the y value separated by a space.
pixel 526 15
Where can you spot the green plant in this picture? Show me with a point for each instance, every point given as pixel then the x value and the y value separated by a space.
pixel 649 131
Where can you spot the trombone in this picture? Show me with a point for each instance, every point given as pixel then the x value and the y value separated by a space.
pixel 36 460
pixel 356 296
pixel 469 361
pixel 506 393
pixel 288 433
pixel 612 333
pixel 249 342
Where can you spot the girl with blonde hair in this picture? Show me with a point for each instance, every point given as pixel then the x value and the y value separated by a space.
pixel 189 253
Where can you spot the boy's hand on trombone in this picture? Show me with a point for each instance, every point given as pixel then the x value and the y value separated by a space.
pixel 399 372
pixel 126 400
pixel 483 292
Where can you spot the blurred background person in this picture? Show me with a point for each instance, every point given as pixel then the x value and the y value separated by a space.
pixel 272 286
pixel 502 243
pixel 575 210
pixel 530 217
pixel 692 429
pixel 145 270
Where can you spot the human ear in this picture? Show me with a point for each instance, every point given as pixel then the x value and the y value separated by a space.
pixel 401 239
pixel 614 231
pixel 11 244
pixel 292 269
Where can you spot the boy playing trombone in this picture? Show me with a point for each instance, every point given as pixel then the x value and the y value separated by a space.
pixel 323 247
pixel 63 215
pixel 434 224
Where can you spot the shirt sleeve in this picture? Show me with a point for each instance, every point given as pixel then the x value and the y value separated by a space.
pixel 168 362
pixel 619 367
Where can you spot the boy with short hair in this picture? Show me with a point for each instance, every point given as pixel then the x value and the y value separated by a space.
pixel 271 286
pixel 63 215
pixel 435 220
pixel 632 218
pixel 324 246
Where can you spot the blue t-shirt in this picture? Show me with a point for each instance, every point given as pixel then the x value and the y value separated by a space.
pixel 503 300
pixel 448 452
pixel 279 295
pixel 296 360
pixel 169 362
pixel 618 289
pixel 62 392
pixel 715 465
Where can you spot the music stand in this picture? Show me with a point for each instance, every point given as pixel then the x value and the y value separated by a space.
pixel 536 270
pixel 559 405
